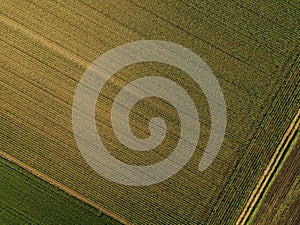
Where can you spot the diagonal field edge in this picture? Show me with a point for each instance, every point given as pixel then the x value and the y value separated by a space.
pixel 264 180
pixel 61 187
pixel 83 64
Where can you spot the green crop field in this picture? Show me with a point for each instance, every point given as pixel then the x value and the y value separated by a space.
pixel 26 199
pixel 251 48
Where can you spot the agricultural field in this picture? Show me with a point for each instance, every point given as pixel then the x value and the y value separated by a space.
pixel 251 48
pixel 26 199
pixel 280 205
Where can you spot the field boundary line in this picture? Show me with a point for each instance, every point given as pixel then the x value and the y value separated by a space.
pixel 61 186
pixel 289 152
pixel 274 162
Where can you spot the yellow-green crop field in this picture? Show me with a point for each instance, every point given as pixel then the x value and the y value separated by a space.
pixel 252 48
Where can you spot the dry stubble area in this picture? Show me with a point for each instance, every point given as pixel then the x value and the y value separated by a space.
pixel 251 47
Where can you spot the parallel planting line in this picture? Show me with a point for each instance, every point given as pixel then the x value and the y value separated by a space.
pixel 264 180
pixel 43 41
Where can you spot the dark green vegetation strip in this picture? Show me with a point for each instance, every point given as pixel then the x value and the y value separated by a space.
pixel 26 199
